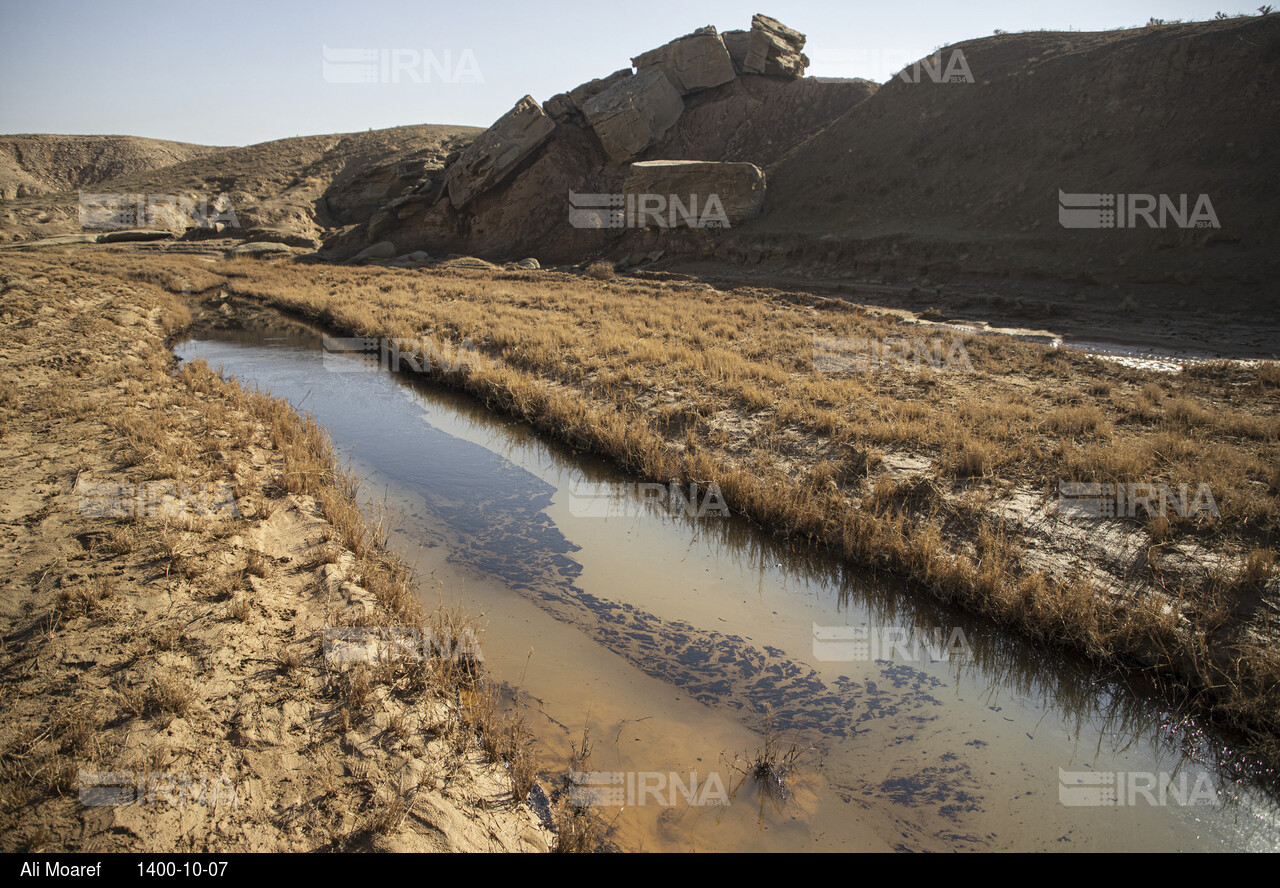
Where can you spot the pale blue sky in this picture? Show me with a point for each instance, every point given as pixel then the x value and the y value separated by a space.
pixel 235 73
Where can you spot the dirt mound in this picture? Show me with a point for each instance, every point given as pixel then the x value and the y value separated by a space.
pixel 31 165
pixel 951 178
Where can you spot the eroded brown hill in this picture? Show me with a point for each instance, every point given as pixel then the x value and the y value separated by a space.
pixel 959 177
pixel 289 188
pixel 31 165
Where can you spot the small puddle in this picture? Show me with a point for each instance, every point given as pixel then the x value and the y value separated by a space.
pixel 668 637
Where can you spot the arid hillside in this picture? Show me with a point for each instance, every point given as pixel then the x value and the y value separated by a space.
pixel 963 177
pixel 950 175
pixel 31 165
pixel 291 189
pixel 950 171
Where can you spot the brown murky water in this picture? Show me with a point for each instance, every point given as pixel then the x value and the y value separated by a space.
pixel 668 637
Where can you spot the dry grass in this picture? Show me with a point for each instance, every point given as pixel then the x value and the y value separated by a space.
pixel 678 381
pixel 579 828
pixel 601 271
pixel 85 599
pixel 504 736
pixel 169 696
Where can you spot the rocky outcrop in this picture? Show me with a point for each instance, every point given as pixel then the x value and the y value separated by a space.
pixel 381 223
pixel 694 62
pixel 757 119
pixel 559 107
pixel 496 153
pixel 633 113
pixel 686 102
pixel 708 191
pixel 774 49
pixel 583 93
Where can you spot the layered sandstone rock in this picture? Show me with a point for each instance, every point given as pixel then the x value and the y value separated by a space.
pixel 694 62
pixel 585 92
pixel 498 151
pixel 737 44
pixel 633 113
pixel 773 49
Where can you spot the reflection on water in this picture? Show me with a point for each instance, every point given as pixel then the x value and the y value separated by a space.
pixel 963 752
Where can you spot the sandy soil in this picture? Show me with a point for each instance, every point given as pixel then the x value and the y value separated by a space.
pixel 172 655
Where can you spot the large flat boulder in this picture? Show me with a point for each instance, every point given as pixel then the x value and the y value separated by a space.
pixel 498 151
pixel 735 188
pixel 260 250
pixel 633 113
pixel 583 93
pixel 693 62
pixel 774 49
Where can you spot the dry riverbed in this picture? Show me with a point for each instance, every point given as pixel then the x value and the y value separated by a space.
pixel 174 550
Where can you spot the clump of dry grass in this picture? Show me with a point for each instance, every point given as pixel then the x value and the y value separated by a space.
pixel 120 541
pixel 601 271
pixel 256 564
pixel 87 598
pixel 289 660
pixel 579 829
pixel 503 736
pixel 969 459
pixel 76 729
pixel 169 695
pixel 774 765
pixel 355 695
pixel 240 608
pixel 1258 568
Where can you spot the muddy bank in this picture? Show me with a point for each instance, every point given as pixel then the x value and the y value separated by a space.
pixel 171 561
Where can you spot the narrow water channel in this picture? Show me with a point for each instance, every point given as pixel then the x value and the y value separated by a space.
pixel 672 637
